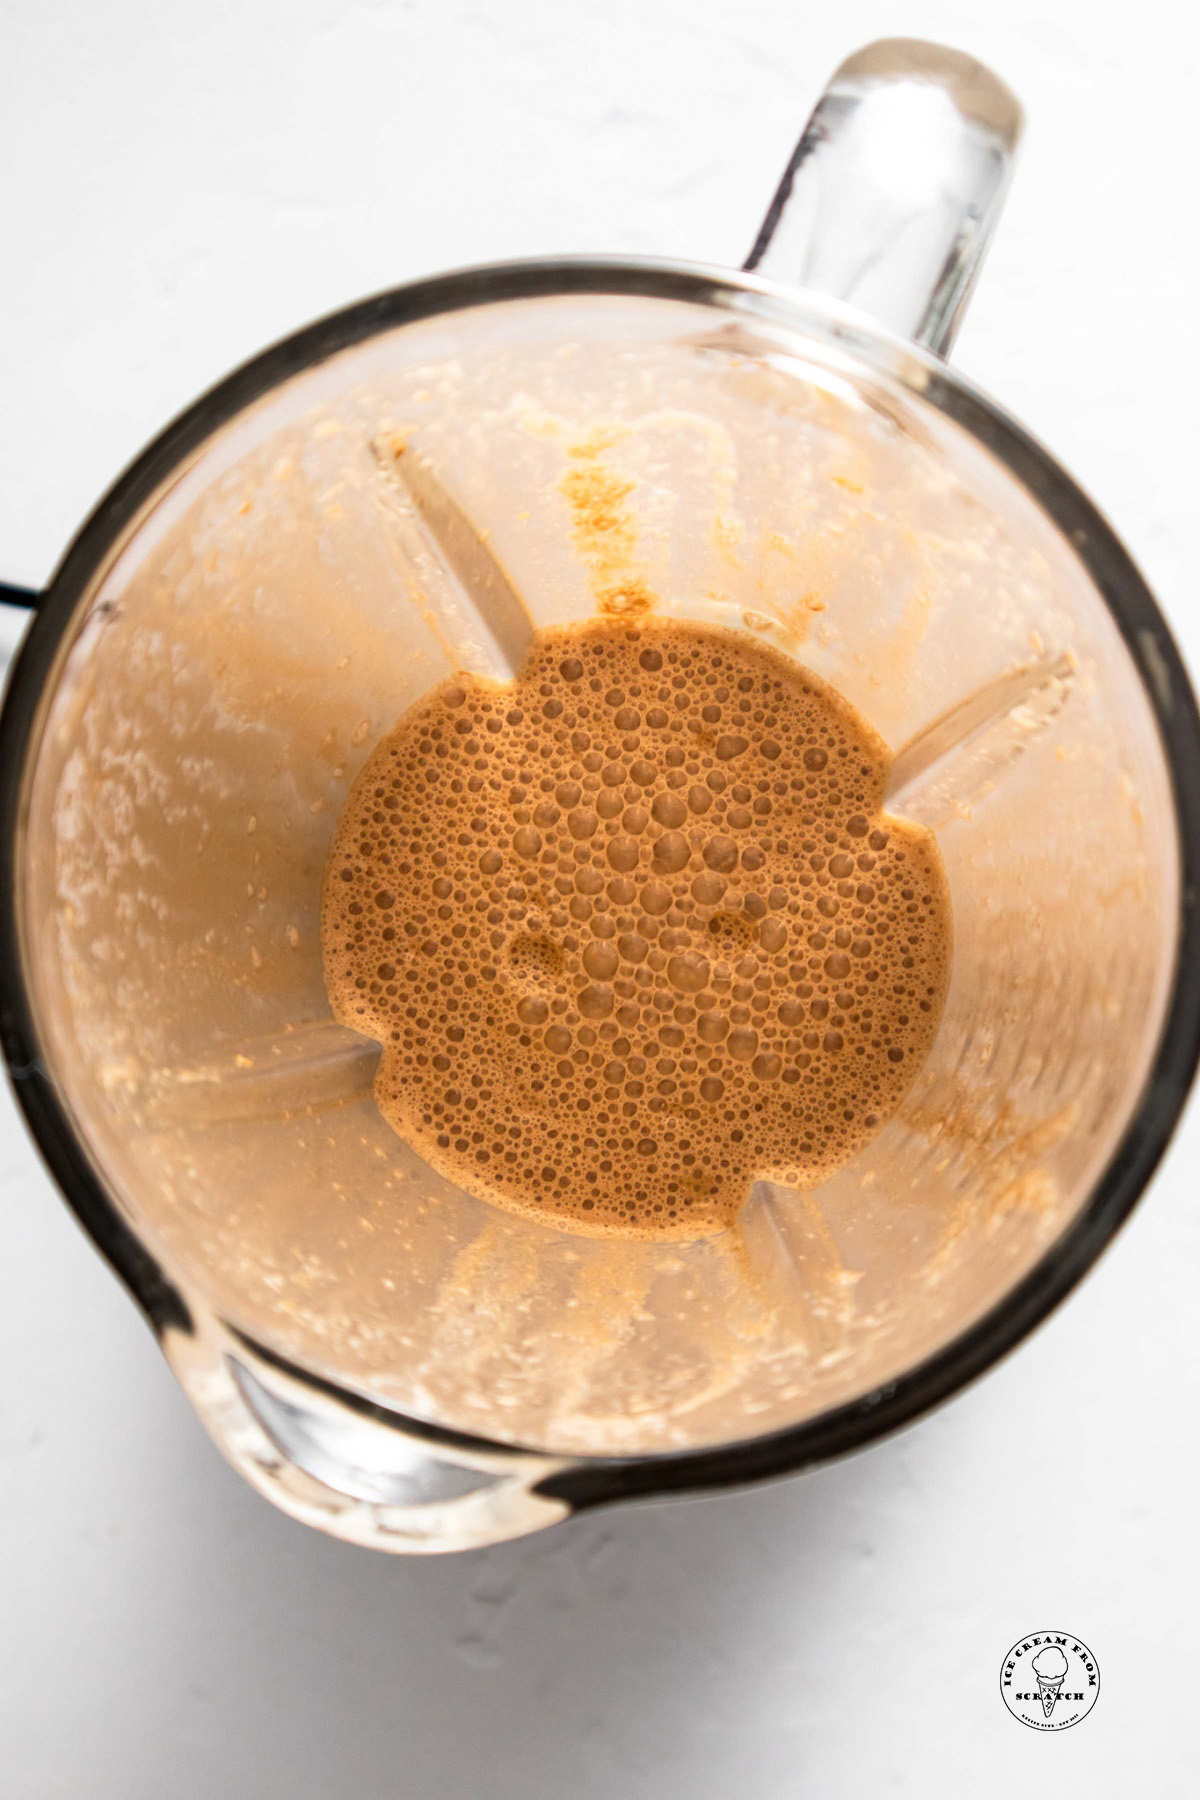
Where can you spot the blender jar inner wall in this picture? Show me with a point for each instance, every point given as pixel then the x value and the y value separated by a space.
pixel 283 601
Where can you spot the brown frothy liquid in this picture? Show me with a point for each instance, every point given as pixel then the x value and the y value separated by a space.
pixel 633 930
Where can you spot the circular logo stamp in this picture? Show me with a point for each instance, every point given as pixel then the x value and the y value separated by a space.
pixel 1049 1680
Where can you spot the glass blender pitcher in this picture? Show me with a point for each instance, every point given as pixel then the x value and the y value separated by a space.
pixel 379 501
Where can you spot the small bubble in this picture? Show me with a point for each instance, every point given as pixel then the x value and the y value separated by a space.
pixel 707 888
pixel 656 898
pixel 721 854
pixel 601 960
pixel 668 810
pixel 772 935
pixel 671 852
pixel 689 972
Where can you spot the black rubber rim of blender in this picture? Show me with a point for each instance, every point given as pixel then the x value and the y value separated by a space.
pixel 848 1426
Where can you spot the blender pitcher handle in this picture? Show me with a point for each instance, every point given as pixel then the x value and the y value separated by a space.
pixel 893 191
pixel 24 599
pixel 16 603
pixel 353 1470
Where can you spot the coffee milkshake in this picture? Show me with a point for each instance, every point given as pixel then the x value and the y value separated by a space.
pixel 633 929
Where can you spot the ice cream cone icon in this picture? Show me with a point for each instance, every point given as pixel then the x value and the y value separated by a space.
pixel 1049 1692
pixel 1050 1667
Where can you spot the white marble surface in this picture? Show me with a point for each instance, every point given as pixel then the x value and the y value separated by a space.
pixel 185 183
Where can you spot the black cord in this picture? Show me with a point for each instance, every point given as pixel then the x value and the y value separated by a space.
pixel 18 596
